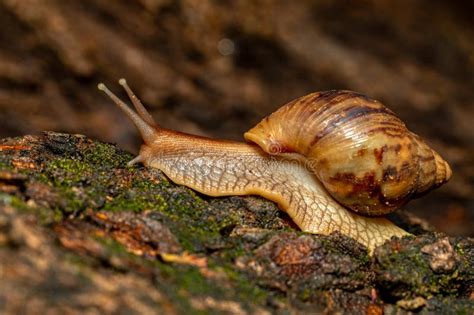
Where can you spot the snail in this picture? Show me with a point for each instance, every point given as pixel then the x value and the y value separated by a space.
pixel 334 161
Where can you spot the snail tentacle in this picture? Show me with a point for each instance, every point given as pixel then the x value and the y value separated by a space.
pixel 146 130
pixel 141 110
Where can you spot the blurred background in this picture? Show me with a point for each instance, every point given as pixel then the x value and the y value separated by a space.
pixel 216 68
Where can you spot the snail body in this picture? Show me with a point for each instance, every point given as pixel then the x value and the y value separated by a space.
pixel 221 168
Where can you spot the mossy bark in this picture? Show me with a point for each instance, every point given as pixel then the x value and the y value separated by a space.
pixel 81 231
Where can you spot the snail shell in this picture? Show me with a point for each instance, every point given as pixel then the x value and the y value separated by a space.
pixel 360 150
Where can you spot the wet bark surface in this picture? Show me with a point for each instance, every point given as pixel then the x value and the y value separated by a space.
pixel 81 232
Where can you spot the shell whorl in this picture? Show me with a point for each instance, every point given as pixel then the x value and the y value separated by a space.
pixel 360 150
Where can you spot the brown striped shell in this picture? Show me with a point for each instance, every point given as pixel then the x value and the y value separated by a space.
pixel 360 150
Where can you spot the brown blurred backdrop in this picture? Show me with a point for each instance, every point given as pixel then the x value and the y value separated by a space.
pixel 217 67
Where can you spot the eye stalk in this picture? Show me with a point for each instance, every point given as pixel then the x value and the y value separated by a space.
pixel 143 120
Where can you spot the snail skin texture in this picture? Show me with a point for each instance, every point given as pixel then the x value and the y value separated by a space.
pixel 331 160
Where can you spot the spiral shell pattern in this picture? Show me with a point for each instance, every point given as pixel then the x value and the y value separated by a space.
pixel 359 149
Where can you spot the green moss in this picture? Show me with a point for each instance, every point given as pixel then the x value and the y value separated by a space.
pixel 5 165
pixel 175 281
pixel 342 246
pixel 45 215
pixel 195 225
pixel 190 279
pixel 180 282
pixel 142 194
pixel 82 181
pixel 415 275
pixel 13 201
pixel 112 247
pixel 246 288
pixel 67 172
pixel 184 283
pixel 81 262
pixel 71 201
pixel 136 201
pixel 106 155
